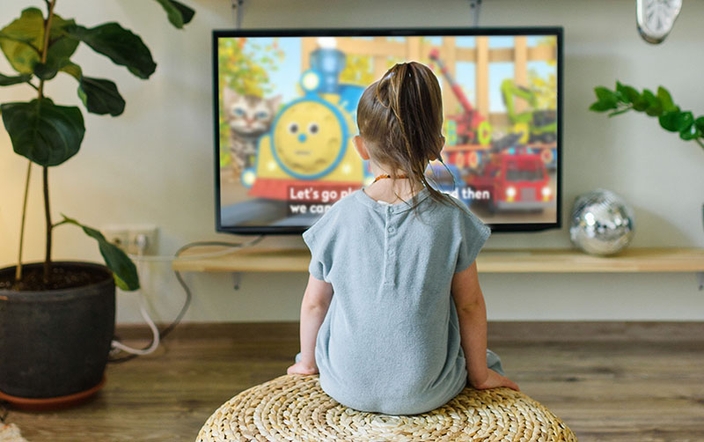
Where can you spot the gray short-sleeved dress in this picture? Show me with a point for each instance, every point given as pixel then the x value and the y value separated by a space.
pixel 390 342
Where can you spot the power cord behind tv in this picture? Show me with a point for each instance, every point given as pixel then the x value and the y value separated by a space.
pixel 159 335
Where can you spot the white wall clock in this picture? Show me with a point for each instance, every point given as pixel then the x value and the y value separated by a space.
pixel 655 18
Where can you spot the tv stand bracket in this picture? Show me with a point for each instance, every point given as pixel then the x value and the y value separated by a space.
pixel 236 280
pixel 475 6
pixel 238 8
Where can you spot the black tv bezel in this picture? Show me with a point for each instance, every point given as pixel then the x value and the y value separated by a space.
pixel 556 31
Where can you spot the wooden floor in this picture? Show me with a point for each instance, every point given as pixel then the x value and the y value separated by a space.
pixel 607 381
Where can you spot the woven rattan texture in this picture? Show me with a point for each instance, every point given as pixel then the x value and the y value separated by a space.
pixel 294 408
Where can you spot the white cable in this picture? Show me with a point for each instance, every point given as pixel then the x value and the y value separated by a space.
pixel 143 310
pixel 155 331
pixel 140 258
pixel 228 248
pixel 169 258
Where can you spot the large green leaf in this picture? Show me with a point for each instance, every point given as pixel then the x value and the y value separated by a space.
pixel 677 121
pixel 666 99
pixel 120 45
pixel 44 71
pixel 647 100
pixel 43 132
pixel 101 96
pixel 21 41
pixel 690 133
pixel 73 70
pixel 178 13
pixel 602 106
pixel 606 95
pixel 669 120
pixel 9 81
pixel 123 269
pixel 61 45
pixel 655 106
pixel 606 100
pixel 699 122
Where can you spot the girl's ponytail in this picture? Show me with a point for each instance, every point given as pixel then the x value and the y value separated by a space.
pixel 419 113
pixel 401 117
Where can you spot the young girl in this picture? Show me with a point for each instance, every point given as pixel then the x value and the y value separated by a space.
pixel 393 317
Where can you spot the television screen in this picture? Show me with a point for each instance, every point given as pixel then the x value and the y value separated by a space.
pixel 285 108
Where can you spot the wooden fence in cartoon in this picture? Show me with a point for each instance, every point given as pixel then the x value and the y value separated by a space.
pixel 381 49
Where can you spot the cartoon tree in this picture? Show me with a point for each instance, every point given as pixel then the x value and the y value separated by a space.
pixel 545 88
pixel 358 70
pixel 244 68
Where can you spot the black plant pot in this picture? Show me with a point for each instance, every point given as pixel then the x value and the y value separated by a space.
pixel 56 343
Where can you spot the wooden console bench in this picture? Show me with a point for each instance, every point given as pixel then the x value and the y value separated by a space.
pixel 668 260
pixel 257 259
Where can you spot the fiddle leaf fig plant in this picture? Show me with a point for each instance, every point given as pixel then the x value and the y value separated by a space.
pixel 624 98
pixel 38 46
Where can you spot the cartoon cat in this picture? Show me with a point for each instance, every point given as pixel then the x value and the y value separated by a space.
pixel 249 117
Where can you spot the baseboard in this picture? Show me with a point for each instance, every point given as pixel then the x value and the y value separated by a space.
pixel 595 331
pixel 248 331
pixel 498 331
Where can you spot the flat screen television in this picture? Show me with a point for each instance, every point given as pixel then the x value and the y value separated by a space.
pixel 285 108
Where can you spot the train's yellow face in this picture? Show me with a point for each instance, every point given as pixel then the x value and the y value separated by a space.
pixel 308 138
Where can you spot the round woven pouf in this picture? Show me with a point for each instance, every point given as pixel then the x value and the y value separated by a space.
pixel 295 408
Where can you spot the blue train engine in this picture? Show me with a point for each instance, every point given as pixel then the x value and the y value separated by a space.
pixel 308 152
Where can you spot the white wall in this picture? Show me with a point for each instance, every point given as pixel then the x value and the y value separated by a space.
pixel 154 163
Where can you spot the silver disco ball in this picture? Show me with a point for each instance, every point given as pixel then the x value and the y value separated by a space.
pixel 602 223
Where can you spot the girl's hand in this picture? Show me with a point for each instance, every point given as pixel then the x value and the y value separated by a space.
pixel 303 369
pixel 495 380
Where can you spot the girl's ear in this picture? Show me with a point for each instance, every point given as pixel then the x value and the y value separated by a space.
pixel 361 148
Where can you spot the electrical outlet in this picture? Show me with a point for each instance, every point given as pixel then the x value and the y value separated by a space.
pixel 142 239
pixel 133 239
pixel 116 234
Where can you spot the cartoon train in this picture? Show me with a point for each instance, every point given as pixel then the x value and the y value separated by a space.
pixel 310 144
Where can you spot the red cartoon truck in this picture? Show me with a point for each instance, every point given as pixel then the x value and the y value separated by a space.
pixel 513 180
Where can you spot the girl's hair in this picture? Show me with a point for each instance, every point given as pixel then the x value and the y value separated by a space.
pixel 400 118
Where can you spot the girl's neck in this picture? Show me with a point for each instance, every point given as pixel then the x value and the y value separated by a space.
pixel 392 188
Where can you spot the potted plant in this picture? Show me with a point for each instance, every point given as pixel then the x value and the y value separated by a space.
pixel 624 98
pixel 57 318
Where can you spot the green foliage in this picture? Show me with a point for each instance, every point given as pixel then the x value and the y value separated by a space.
pixel 120 45
pixel 39 46
pixel 544 89
pixel 100 96
pixel 245 73
pixel 178 13
pixel 44 133
pixel 358 70
pixel 123 269
pixel 9 81
pixel 624 98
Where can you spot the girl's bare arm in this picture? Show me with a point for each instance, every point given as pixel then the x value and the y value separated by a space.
pixel 471 311
pixel 316 301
